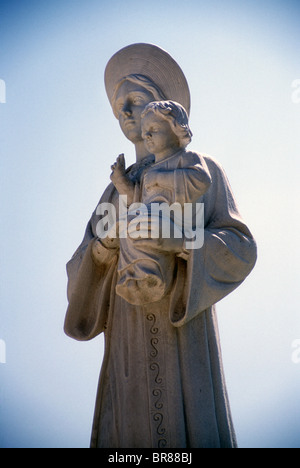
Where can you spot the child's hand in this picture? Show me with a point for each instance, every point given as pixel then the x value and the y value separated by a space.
pixel 121 180
pixel 118 169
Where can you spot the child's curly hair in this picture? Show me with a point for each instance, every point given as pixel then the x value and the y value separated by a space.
pixel 177 117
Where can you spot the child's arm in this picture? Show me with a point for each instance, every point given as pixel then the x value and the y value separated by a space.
pixel 160 178
pixel 120 179
pixel 190 183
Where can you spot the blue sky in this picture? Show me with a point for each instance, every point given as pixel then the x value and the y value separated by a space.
pixel 58 138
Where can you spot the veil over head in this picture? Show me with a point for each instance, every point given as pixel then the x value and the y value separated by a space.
pixel 155 64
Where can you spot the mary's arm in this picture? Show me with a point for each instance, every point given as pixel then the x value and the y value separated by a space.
pixel 90 279
pixel 226 258
pixel 90 293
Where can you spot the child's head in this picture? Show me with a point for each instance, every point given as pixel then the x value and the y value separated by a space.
pixel 165 123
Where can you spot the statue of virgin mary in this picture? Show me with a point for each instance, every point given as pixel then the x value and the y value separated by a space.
pixel 162 383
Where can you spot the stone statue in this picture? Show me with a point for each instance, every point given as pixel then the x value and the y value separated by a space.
pixel 162 383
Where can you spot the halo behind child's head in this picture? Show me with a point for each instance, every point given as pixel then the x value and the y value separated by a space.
pixel 177 117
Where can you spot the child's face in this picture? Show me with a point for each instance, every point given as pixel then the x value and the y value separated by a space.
pixel 158 136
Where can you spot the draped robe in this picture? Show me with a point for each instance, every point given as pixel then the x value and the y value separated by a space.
pixel 145 275
pixel 162 382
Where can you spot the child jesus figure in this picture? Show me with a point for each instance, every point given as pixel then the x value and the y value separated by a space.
pixel 178 176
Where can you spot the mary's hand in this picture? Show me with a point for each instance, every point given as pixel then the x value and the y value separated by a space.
pixel 110 243
pixel 145 240
pixel 110 239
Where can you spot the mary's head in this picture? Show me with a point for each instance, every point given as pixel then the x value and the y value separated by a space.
pixel 138 75
pixel 131 95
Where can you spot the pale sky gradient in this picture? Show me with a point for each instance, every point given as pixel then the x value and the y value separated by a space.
pixel 58 138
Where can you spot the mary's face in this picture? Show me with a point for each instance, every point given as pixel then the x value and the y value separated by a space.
pixel 131 99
